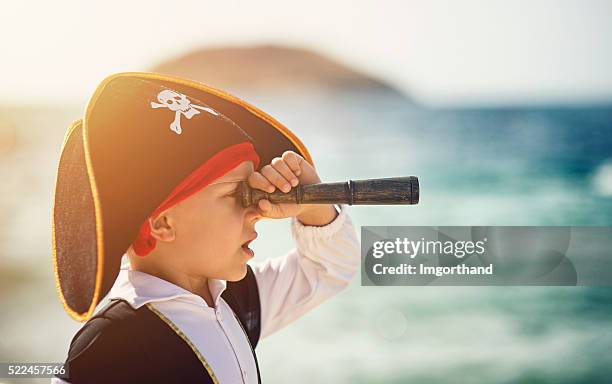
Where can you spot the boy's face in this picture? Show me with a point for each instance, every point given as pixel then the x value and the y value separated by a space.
pixel 210 228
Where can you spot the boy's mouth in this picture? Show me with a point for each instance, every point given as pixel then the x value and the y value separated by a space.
pixel 245 245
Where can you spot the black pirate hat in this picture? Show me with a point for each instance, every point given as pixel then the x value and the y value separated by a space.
pixel 142 135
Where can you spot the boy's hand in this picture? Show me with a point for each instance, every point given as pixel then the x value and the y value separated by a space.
pixel 284 173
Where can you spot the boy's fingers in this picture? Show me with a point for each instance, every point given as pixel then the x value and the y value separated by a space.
pixel 268 209
pixel 294 161
pixel 257 180
pixel 276 178
pixel 266 206
pixel 281 166
pixel 276 211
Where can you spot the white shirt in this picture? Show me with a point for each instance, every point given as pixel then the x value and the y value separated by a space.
pixel 322 264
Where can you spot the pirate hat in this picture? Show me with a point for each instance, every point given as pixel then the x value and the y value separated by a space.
pixel 142 135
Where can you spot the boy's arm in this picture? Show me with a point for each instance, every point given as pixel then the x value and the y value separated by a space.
pixel 322 264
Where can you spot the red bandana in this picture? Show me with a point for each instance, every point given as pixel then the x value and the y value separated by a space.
pixel 215 167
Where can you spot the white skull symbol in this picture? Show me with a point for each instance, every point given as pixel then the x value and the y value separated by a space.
pixel 181 106
pixel 174 101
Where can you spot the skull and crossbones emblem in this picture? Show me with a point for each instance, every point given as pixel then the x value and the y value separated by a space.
pixel 180 105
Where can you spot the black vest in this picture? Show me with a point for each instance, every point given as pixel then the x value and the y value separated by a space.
pixel 123 345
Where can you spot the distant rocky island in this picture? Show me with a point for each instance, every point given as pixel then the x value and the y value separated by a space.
pixel 271 68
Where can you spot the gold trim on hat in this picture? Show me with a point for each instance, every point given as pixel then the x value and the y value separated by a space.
pixel 75 315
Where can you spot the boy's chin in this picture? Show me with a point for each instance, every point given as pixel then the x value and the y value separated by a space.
pixel 238 274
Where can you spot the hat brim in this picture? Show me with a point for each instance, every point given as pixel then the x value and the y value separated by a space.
pixel 86 253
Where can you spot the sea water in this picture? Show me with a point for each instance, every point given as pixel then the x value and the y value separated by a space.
pixel 476 166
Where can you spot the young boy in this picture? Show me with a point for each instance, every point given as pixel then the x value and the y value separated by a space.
pixel 151 173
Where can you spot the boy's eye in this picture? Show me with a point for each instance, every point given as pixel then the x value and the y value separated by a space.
pixel 235 194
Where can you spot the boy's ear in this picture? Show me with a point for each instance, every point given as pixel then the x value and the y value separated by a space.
pixel 162 228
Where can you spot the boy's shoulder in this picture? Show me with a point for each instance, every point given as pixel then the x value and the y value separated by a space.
pixel 107 344
pixel 121 327
pixel 122 344
pixel 108 326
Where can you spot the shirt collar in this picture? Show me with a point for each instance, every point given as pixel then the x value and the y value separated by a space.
pixel 139 288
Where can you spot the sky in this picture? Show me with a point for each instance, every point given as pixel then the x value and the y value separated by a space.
pixel 442 52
